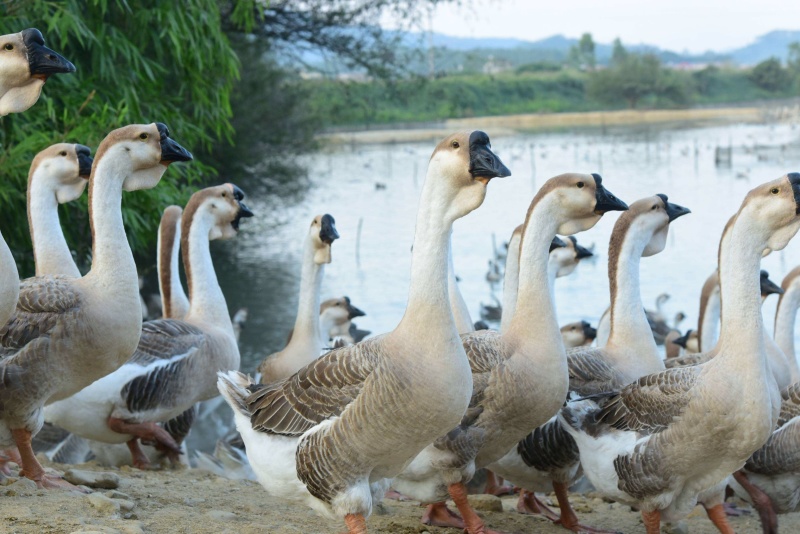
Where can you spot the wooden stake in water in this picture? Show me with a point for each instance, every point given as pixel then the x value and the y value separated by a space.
pixel 358 242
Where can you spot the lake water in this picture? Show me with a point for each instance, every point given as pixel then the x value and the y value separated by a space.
pixel 260 270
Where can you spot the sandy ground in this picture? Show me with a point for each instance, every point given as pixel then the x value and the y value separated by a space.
pixel 194 501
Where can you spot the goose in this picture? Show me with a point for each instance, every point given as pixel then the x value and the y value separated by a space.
pixel 519 377
pixel 663 439
pixel 306 340
pixel 332 434
pixel 174 302
pixel 785 317
pixel 547 457
pixel 239 319
pixel 577 334
pixel 708 323
pixel 25 65
pixel 67 332
pixel 690 342
pixel 671 348
pixel 339 314
pixel 175 362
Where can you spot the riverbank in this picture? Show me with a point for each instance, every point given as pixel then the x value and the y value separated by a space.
pixel 192 501
pixel 504 125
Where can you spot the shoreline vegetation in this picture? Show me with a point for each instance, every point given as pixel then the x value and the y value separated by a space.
pixel 505 125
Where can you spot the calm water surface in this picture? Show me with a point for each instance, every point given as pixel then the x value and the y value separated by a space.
pixel 261 270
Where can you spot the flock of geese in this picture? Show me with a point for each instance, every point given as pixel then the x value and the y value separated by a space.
pixel 421 408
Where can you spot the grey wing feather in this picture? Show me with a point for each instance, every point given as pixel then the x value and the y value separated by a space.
pixel 485 356
pixel 780 454
pixel 548 448
pixel 651 403
pixel 590 374
pixel 790 404
pixel 464 441
pixel 163 339
pixel 687 360
pixel 320 390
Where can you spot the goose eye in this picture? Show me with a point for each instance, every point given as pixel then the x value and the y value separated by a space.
pixel 224 194
pixel 9 46
pixel 455 144
pixel 775 191
pixel 142 136
pixel 580 185
pixel 655 207
pixel 62 153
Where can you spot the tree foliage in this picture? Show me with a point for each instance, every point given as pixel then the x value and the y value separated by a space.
pixel 770 75
pixel 135 64
pixel 581 55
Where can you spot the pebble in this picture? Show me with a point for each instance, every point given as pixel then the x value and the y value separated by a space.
pixel 93 479
pixel 220 515
pixel 192 501
pixel 485 503
pixel 114 494
pixel 22 486
pixel 103 504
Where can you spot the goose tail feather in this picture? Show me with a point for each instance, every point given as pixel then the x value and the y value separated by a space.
pixel 233 386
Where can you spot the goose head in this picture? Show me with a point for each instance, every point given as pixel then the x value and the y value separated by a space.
pixel 772 212
pixel 221 206
pixel 459 170
pixel 141 153
pixel 578 334
pixel 689 341
pixel 768 287
pixel 649 219
pixel 25 64
pixel 338 311
pixel 582 200
pixel 63 170
pixel 322 234
pixel 568 257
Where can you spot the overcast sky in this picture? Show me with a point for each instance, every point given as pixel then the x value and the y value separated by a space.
pixel 693 25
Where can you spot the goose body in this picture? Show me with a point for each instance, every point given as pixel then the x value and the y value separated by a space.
pixel 307 339
pixel 664 439
pixel 175 363
pixel 67 332
pixel 332 434
pixel 519 377
pixel 548 457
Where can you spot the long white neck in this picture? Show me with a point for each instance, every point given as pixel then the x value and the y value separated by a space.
pixel 112 259
pixel 535 316
pixel 741 337
pixel 306 324
pixel 710 321
pixel 9 282
pixel 459 307
pixel 510 283
pixel 174 301
pixel 207 303
pixel 50 250
pixel 785 318
pixel 629 326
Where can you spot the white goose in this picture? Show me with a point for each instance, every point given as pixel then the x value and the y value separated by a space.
pixel 519 377
pixel 67 332
pixel 669 436
pixel 307 340
pixel 547 457
pixel 175 363
pixel 331 435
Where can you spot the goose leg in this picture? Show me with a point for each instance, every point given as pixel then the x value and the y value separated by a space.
pixel 439 515
pixel 7 456
pixel 472 520
pixel 529 503
pixel 761 502
pixel 138 457
pixel 32 469
pixel 495 486
pixel 652 521
pixel 147 432
pixel 719 517
pixel 568 519
pixel 356 524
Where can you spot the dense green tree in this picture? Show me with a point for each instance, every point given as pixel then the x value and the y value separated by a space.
pixel 634 77
pixel 770 75
pixel 793 61
pixel 581 55
pixel 618 52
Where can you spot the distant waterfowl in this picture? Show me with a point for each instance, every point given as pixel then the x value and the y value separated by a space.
pixel 175 362
pixel 519 377
pixel 339 314
pixel 74 331
pixel 25 65
pixel 577 334
pixel 690 342
pixel 667 437
pixel 547 457
pixel 307 340
pixel 331 435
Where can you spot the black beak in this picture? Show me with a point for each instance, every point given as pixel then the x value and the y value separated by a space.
pixel 556 243
pixel 580 252
pixel 352 311
pixel 483 163
pixel 794 179
pixel 681 341
pixel 673 210
pixel 768 287
pixel 244 212
pixel 170 150
pixel 588 331
pixel 605 200
pixel 41 60
pixel 85 160
pixel 328 231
